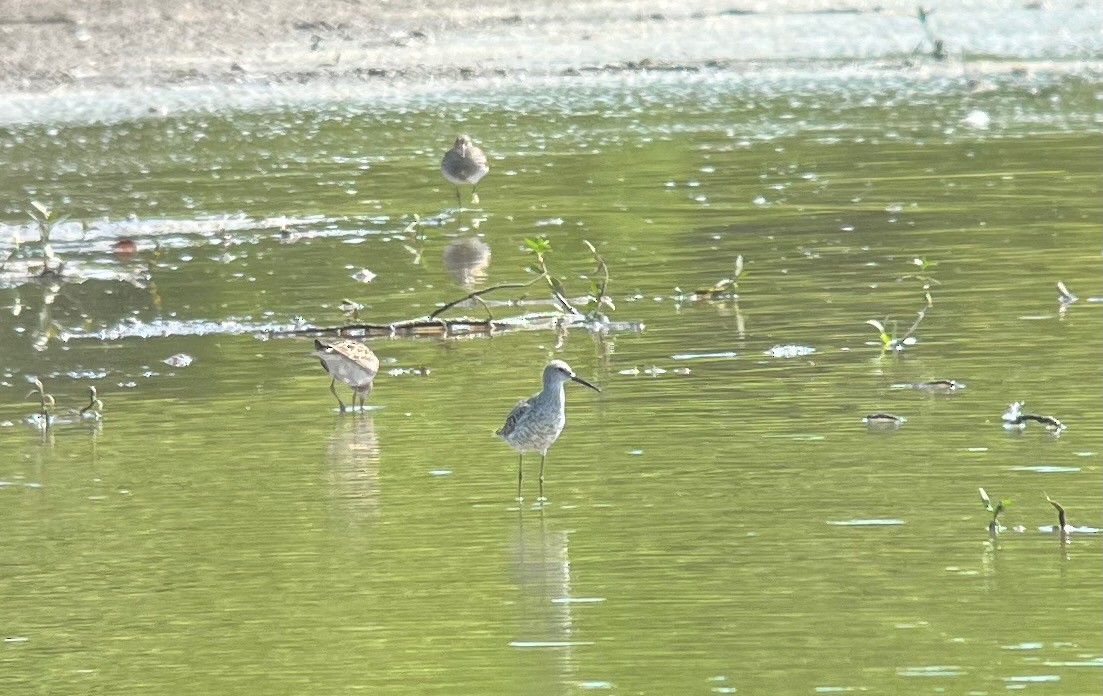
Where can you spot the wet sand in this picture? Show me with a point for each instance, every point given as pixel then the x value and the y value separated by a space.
pixel 56 45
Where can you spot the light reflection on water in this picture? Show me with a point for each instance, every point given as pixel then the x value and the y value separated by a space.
pixel 721 497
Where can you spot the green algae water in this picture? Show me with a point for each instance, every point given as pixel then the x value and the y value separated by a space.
pixel 720 518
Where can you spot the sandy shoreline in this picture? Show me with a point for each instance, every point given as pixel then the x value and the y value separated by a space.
pixel 52 47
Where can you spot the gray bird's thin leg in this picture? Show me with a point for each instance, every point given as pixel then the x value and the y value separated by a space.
pixel 543 458
pixel 333 389
pixel 520 459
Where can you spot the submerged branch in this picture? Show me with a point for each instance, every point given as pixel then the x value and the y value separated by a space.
pixel 427 327
pixel 567 316
pixel 479 293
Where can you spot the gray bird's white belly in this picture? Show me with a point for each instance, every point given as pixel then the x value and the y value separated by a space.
pixel 347 371
pixel 536 435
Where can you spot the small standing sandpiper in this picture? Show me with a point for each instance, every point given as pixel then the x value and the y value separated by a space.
pixel 351 362
pixel 534 423
pixel 464 164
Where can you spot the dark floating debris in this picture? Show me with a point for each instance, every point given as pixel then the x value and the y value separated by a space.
pixel 1013 415
pixel 400 371
pixel 884 419
pixel 178 360
pixel 1064 528
pixel 124 248
pixel 940 385
pixel 46 417
pixel 1014 419
pixel 350 308
pixel 363 276
pixel 790 351
pixel 723 289
pixel 46 402
pixel 1062 519
pixel 1065 297
pixel 1048 421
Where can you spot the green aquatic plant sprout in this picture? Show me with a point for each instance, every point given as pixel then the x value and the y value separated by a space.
pixel 995 509
pixel 923 277
pixel 538 246
pixel 598 298
pixel 923 263
pixel 889 340
pixel 541 247
pixel 884 336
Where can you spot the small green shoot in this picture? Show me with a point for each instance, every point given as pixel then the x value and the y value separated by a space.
pixel 923 277
pixel 889 340
pixel 884 336
pixel 995 509
pixel 540 247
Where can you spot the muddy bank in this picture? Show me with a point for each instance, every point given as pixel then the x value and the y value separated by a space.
pixel 52 45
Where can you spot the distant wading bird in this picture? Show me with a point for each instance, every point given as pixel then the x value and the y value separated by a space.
pixel 351 362
pixel 534 423
pixel 464 164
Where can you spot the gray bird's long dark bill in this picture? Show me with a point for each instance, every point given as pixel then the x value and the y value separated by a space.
pixel 582 381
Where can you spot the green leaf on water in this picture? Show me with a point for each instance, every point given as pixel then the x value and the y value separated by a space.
pixel 538 245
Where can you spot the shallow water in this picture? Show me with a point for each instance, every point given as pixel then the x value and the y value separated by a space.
pixel 720 519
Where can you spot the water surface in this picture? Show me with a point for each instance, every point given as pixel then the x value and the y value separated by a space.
pixel 720 518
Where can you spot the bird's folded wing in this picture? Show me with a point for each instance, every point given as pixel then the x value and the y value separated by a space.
pixel 514 417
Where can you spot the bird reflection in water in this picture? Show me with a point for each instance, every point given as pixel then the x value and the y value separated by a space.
pixel 542 571
pixel 467 259
pixel 352 465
